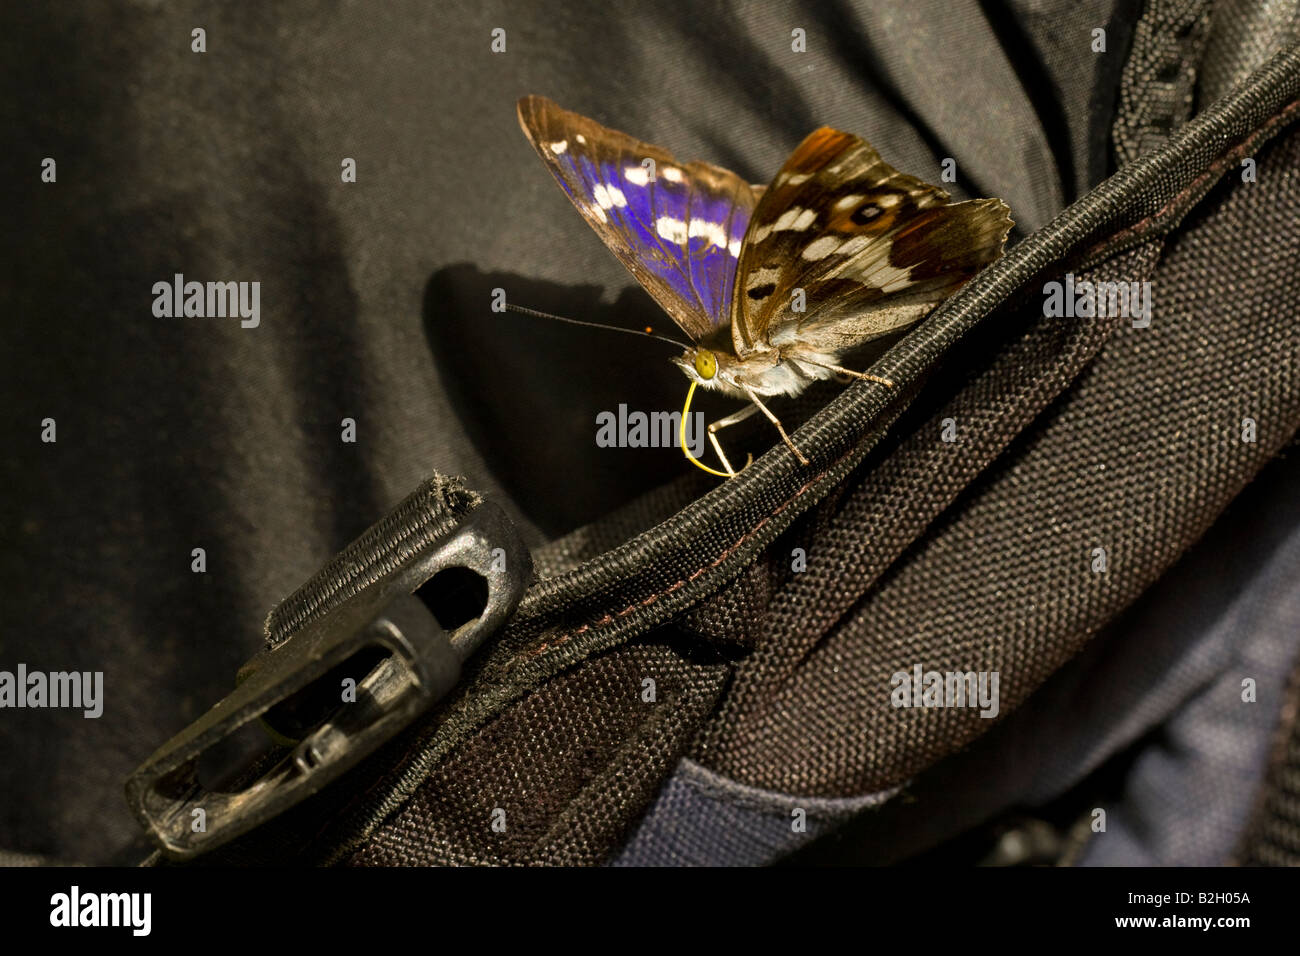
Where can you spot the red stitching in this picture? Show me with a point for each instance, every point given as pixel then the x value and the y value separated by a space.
pixel 609 618
pixel 1216 169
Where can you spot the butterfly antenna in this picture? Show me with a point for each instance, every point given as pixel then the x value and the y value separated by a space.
pixel 595 325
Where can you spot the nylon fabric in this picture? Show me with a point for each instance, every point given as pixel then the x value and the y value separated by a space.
pixel 975 554
pixel 1093 457
pixel 185 433
pixel 556 779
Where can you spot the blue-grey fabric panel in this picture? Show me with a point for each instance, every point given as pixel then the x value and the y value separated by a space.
pixel 702 819
pixel 1188 796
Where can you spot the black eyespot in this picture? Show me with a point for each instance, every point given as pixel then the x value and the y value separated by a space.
pixel 762 291
pixel 864 214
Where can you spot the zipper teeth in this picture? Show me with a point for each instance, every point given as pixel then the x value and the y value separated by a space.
pixel 424 516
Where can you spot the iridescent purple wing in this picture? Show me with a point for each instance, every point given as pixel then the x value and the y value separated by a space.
pixel 678 227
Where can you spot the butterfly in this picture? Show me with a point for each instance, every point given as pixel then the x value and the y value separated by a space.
pixel 773 285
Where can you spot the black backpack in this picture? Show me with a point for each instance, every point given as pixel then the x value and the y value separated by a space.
pixel 1085 523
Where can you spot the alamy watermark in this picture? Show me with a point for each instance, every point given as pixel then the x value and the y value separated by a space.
pixel 637 429
pixel 75 908
pixel 922 688
pixel 1085 299
pixel 79 690
pixel 208 300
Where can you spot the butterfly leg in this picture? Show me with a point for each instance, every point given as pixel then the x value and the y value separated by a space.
pixel 840 370
pixel 722 423
pixel 753 397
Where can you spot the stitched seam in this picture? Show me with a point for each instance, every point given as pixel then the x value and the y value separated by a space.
pixel 646 602
pixel 1216 169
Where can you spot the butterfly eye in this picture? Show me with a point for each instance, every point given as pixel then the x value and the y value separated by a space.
pixel 706 363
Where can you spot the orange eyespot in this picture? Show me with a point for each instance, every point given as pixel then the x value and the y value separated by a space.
pixel 706 364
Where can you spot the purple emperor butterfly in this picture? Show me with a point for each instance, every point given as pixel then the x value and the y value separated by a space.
pixel 773 286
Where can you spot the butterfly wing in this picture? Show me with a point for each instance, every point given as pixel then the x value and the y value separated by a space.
pixel 678 229
pixel 872 249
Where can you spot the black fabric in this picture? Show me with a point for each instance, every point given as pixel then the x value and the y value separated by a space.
pixel 177 434
pixel 1124 454
pixel 1109 462
pixel 1109 730
pixel 562 770
pixel 174 434
pixel 1004 582
pixel 1158 91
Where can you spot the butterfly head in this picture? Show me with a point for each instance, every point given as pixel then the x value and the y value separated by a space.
pixel 704 366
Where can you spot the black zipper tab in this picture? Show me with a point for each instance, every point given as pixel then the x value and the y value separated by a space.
pixel 355 672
